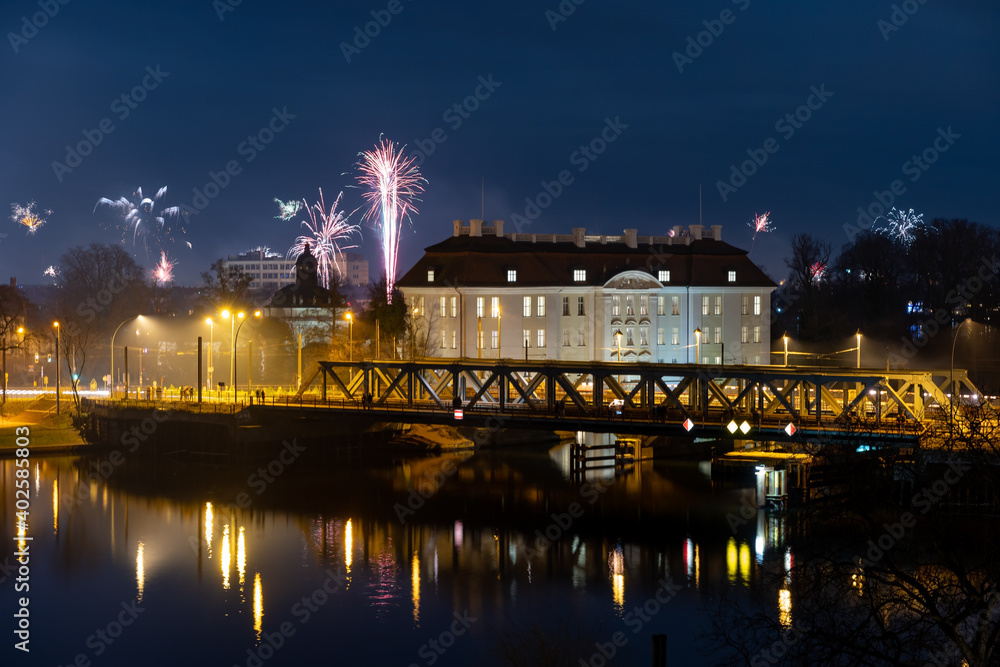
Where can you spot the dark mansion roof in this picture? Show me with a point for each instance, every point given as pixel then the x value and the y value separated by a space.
pixel 467 260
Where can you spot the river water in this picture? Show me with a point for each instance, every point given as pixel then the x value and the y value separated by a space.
pixel 496 558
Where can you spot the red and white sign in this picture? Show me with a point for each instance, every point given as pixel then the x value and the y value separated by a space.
pixel 790 429
pixel 688 424
pixel 459 415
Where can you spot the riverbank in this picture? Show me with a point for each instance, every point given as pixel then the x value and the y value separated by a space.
pixel 56 434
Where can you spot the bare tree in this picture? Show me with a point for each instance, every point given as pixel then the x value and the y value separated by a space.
pixel 13 335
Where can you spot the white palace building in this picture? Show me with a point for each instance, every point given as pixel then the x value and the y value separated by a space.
pixel 486 294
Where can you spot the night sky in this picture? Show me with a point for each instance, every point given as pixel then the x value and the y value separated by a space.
pixel 881 92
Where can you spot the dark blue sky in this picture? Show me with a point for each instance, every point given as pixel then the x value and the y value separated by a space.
pixel 891 92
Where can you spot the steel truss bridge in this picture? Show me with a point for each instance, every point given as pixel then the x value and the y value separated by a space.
pixel 735 401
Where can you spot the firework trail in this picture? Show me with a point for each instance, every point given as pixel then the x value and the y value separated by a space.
pixel 817 272
pixel 902 226
pixel 392 182
pixel 51 272
pixel 288 208
pixel 326 231
pixel 139 216
pixel 28 216
pixel 164 271
pixel 760 223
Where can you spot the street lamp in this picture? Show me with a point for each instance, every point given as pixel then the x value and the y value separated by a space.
pixel 211 342
pixel 232 340
pixel 413 335
pixel 350 349
pixel 951 380
pixel 697 343
pixel 618 339
pixel 56 325
pixel 236 337
pixel 859 348
pixel 113 352
pixel 785 340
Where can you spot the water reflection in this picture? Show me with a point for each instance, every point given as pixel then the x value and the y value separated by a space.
pixel 616 563
pixel 226 557
pixel 140 572
pixel 258 606
pixel 415 588
pixel 209 517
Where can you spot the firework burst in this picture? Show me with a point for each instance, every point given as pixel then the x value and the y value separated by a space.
pixel 327 229
pixel 760 224
pixel 139 216
pixel 902 226
pixel 28 216
pixel 817 272
pixel 51 272
pixel 392 182
pixel 288 209
pixel 163 273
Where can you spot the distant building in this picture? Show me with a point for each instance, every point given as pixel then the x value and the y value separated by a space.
pixel 271 270
pixel 304 305
pixel 579 297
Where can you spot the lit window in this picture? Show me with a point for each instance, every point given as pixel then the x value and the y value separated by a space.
pixel 718 335
pixel 565 305
pixel 479 307
pixel 659 336
pixel 718 305
pixel 454 340
pixel 527 306
pixel 579 275
pixel 430 275
pixel 526 336
pixel 541 307
pixel 629 337
pixel 579 305
pixel 644 336
pixel 643 305
pixel 704 305
pixel 664 276
pixel 495 307
pixel 579 339
pixel 732 276
pixel 444 339
pixel 494 339
pixel 512 275
pixel 616 306
pixel 675 305
pixel 454 306
pixel 756 305
pixel 675 336
pixel 743 307
pixel 565 337
pixel 444 306
pixel 629 306
pixel 743 334
pixel 541 338
pixel 756 334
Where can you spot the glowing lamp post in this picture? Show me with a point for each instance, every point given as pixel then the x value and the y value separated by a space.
pixel 859 348
pixel 236 337
pixel 350 348
pixel 56 325
pixel 785 340
pixel 697 344
pixel 211 342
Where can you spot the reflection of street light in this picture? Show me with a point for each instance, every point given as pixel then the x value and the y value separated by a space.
pixel 56 325
pixel 859 348
pixel 113 353
pixel 697 352
pixel 350 350
pixel 951 380
pixel 785 339
pixel 236 337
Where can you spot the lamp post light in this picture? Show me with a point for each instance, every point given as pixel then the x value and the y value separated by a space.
pixel 618 340
pixel 236 337
pixel 413 335
pixel 785 340
pixel 232 317
pixel 113 353
pixel 951 380
pixel 859 348
pixel 697 343
pixel 350 348
pixel 56 325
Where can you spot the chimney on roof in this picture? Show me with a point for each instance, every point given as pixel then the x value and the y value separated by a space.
pixel 695 232
pixel 717 232
pixel 579 236
pixel 13 282
pixel 631 238
pixel 458 228
pixel 498 226
pixel 475 227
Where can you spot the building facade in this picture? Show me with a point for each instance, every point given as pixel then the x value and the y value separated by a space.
pixel 665 299
pixel 271 270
